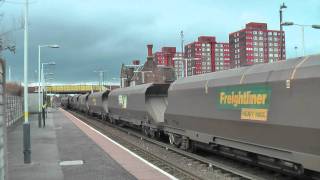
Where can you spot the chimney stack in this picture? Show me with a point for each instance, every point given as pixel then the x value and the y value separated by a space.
pixel 135 62
pixel 149 46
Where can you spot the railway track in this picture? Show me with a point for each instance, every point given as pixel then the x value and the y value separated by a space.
pixel 179 163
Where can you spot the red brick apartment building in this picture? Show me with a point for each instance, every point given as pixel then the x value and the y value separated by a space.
pixel 165 56
pixel 256 44
pixel 206 55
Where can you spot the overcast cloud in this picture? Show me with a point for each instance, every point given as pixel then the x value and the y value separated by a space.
pixel 102 34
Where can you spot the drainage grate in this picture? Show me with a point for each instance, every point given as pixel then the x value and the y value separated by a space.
pixel 71 163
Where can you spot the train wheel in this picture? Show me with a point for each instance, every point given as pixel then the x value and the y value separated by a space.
pixel 145 131
pixel 173 140
pixel 152 134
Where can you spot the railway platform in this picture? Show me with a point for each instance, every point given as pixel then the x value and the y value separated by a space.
pixel 69 149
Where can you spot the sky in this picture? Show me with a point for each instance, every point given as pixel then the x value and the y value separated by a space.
pixel 103 34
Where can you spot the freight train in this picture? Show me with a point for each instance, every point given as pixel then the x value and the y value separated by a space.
pixel 265 114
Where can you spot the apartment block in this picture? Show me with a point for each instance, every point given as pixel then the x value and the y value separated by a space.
pixel 256 44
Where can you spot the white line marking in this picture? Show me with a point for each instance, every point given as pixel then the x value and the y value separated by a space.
pixel 71 163
pixel 124 148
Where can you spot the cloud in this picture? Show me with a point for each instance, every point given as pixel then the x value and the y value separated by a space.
pixel 103 34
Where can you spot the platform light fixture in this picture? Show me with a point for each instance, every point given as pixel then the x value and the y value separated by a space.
pixel 39 77
pixel 314 26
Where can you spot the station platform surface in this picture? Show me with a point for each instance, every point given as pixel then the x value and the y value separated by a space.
pixel 69 149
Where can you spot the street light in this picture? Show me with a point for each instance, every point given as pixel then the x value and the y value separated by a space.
pixel 39 76
pixel 296 50
pixel 314 26
pixel 43 78
pixel 110 86
pixel 282 6
pixel 101 78
pixel 287 23
pixel 26 124
pixel 46 80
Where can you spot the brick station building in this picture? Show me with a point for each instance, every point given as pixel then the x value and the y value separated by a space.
pixel 149 72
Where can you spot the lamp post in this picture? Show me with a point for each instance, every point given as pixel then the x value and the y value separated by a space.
pixel 283 6
pixel 9 74
pixel 314 26
pixel 42 79
pixel 110 86
pixel 46 80
pixel 101 77
pixel 182 54
pixel 26 124
pixel 39 77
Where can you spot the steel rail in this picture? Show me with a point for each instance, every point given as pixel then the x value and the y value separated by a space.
pixel 209 163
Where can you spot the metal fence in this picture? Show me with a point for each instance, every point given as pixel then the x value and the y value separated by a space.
pixel 14 108
pixel 3 129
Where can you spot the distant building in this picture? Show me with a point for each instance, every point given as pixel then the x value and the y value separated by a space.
pixel 127 72
pixel 178 65
pixel 169 57
pixel 165 56
pixel 206 55
pixel 149 72
pixel 221 56
pixel 256 44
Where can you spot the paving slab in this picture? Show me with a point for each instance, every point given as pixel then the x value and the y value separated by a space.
pixel 59 141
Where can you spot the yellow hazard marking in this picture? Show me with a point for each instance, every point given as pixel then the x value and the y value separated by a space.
pixel 26 114
pixel 297 66
pixel 254 114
